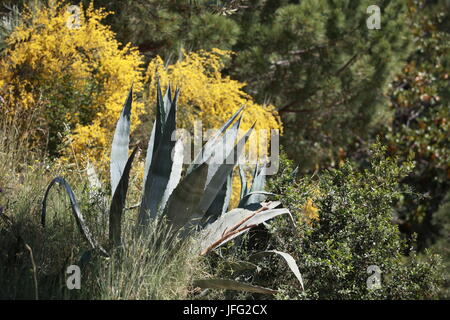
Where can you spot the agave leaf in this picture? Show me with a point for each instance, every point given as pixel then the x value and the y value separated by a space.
pixel 167 100
pixel 160 169
pixel 175 174
pixel 244 201
pixel 243 179
pixel 220 175
pixel 223 151
pixel 289 260
pixel 120 144
pixel 118 203
pixel 234 223
pixel 256 193
pixel 150 151
pixel 257 206
pixel 231 285
pixel 228 193
pixel 155 137
pixel 161 107
pixel 182 206
pixel 75 211
pixel 220 203
pixel 210 144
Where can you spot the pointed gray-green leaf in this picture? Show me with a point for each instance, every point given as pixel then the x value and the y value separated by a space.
pixel 150 151
pixel 294 172
pixel 120 144
pixel 258 185
pixel 82 226
pixel 182 206
pixel 256 206
pixel 222 172
pixel 223 151
pixel 226 284
pixel 244 202
pixel 161 111
pixel 175 174
pixel 243 179
pixel 167 101
pixel 211 240
pixel 210 144
pixel 228 194
pixel 157 129
pixel 118 203
pixel 289 260
pixel 220 203
pixel 159 172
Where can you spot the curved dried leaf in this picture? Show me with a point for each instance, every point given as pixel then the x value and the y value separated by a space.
pixel 290 262
pixel 234 223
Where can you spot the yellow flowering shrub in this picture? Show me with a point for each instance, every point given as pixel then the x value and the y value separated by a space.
pixel 76 79
pixel 206 95
pixel 80 75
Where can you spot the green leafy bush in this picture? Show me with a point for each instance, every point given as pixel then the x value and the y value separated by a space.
pixel 354 230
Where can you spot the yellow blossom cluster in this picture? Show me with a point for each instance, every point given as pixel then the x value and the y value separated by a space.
pixel 79 75
pixel 310 211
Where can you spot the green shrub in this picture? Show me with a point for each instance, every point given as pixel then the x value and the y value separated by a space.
pixel 354 230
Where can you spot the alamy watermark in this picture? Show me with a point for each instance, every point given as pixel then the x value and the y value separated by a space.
pixel 231 147
pixel 73 281
pixel 374 20
pixel 374 280
pixel 74 21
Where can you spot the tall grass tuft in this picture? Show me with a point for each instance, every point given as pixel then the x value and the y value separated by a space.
pixel 154 265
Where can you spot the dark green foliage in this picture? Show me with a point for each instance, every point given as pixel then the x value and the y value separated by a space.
pixel 420 98
pixel 354 231
pixel 161 27
pixel 325 70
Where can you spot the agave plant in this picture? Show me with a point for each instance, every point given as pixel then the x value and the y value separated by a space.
pixel 195 204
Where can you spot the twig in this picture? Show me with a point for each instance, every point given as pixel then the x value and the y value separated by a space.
pixel 34 272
